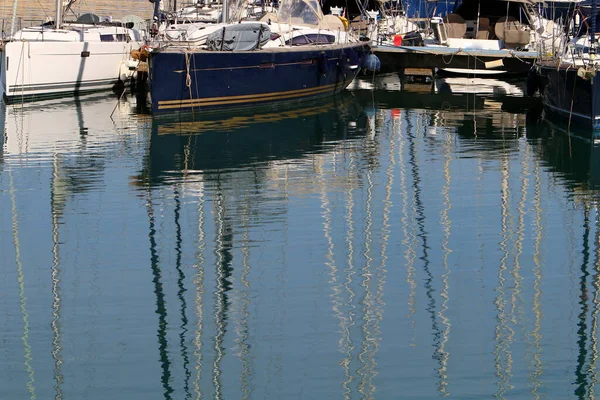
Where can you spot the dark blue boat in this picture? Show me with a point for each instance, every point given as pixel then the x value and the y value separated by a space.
pixel 571 96
pixel 306 55
pixel 570 87
pixel 204 80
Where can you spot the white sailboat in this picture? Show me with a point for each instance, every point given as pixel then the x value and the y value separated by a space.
pixel 65 58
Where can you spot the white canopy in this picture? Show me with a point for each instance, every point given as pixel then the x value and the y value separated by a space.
pixel 300 12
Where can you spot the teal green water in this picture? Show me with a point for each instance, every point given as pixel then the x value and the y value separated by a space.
pixel 380 244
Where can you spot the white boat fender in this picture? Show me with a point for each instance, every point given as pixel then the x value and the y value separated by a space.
pixel 124 71
pixel 372 63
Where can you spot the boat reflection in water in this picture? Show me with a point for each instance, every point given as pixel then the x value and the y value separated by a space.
pixel 89 120
pixel 466 104
pixel 221 167
pixel 497 149
pixel 221 141
pixel 473 94
pixel 481 86
pixel 574 159
pixel 352 247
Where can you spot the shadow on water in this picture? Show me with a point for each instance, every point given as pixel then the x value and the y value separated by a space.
pixel 207 143
pixel 576 161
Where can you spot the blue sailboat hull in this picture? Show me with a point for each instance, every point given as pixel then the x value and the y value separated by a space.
pixel 185 81
pixel 574 98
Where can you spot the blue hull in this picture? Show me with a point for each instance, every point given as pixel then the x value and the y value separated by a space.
pixel 571 97
pixel 207 80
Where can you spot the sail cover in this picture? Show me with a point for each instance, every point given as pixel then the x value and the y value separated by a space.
pixel 239 37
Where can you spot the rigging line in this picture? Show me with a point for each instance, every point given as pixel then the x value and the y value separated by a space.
pixel 571 113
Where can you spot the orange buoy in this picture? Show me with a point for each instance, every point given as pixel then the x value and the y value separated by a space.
pixel 397 40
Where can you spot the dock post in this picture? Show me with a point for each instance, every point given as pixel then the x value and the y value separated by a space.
pixel 402 77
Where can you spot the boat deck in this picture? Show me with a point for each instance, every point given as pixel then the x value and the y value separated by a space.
pixel 394 58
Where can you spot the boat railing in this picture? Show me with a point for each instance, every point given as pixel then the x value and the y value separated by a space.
pixel 4 25
pixel 20 23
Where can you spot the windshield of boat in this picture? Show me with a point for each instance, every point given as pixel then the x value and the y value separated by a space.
pixel 300 12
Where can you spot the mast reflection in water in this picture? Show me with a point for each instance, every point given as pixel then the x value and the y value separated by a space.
pixel 380 244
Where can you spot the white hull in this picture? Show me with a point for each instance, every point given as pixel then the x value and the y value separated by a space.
pixel 465 71
pixel 39 69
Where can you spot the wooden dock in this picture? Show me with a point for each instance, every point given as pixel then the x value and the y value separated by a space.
pixel 404 59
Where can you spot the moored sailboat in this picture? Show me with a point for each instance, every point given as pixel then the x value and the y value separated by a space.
pixel 61 58
pixel 569 85
pixel 296 54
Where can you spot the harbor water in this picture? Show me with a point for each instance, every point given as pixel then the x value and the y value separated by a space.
pixel 397 241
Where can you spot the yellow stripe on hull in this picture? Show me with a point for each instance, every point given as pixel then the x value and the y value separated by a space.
pixel 227 100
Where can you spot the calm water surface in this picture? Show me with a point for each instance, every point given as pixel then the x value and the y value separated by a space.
pixel 381 244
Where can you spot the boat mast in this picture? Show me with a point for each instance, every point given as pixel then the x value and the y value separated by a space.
pixel 13 18
pixel 225 11
pixel 593 29
pixel 58 17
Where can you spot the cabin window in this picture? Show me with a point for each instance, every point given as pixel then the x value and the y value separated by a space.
pixel 119 37
pixel 312 38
